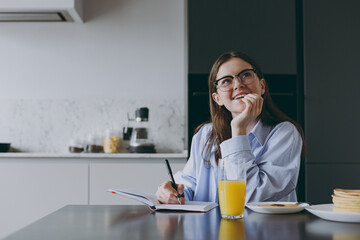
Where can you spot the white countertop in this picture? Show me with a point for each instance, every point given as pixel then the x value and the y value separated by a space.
pixel 95 155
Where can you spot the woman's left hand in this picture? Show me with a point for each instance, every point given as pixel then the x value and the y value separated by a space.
pixel 240 123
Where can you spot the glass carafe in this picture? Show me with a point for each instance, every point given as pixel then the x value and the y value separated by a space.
pixel 141 141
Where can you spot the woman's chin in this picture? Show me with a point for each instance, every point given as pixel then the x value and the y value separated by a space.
pixel 236 111
pixel 236 107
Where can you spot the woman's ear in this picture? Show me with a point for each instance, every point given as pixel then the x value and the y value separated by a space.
pixel 217 99
pixel 262 83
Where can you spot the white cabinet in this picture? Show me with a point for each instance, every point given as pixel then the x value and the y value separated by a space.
pixel 31 189
pixel 143 175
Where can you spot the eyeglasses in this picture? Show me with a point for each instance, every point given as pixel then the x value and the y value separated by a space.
pixel 246 77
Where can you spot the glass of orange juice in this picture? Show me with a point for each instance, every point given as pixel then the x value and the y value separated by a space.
pixel 232 187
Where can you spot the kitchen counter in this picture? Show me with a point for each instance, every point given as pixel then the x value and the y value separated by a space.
pixel 97 155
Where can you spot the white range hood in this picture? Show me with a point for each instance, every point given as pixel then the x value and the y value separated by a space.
pixel 41 11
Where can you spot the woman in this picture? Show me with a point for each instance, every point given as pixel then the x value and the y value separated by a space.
pixel 244 123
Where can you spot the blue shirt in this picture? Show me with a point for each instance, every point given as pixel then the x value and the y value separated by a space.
pixel 272 164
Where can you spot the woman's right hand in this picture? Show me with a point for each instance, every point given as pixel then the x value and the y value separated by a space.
pixel 168 195
pixel 240 124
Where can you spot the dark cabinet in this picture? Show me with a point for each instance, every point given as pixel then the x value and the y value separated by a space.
pixel 331 37
pixel 265 30
pixel 323 178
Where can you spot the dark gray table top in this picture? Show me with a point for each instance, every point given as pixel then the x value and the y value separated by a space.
pixel 138 222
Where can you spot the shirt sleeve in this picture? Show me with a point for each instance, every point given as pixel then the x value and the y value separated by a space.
pixel 273 175
pixel 188 176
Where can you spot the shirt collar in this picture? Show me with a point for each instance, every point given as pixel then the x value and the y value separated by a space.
pixel 260 132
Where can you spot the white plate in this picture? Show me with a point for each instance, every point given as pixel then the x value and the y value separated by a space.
pixel 330 228
pixel 325 211
pixel 276 210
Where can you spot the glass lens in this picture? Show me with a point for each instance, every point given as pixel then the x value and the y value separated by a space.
pixel 225 84
pixel 247 77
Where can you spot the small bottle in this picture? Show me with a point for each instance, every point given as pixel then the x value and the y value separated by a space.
pixel 111 142
pixel 75 146
pixel 90 144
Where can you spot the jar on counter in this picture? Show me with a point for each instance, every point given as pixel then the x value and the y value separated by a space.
pixel 75 146
pixel 99 142
pixel 92 145
pixel 111 142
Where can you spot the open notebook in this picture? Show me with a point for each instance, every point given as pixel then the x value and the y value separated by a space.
pixel 151 201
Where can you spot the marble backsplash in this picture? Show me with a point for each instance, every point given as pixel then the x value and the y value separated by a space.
pixel 41 125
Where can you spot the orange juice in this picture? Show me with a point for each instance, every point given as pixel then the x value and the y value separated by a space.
pixel 232 197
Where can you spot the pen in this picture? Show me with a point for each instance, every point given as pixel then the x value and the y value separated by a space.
pixel 172 179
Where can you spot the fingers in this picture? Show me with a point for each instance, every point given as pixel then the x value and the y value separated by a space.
pixel 168 195
pixel 182 199
pixel 253 104
pixel 181 193
pixel 180 188
pixel 247 105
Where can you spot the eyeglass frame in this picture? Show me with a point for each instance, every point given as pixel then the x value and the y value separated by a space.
pixel 233 76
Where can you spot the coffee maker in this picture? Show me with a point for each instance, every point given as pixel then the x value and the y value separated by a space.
pixel 140 141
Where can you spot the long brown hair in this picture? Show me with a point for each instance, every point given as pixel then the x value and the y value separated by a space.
pixel 221 117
